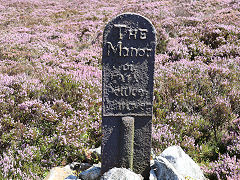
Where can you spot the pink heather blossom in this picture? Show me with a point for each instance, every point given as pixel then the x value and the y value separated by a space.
pixel 50 81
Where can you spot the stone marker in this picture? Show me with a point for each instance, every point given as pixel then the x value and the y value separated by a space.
pixel 128 68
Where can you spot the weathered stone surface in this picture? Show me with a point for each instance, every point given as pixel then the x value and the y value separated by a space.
pixel 164 170
pixel 59 173
pixel 182 162
pixel 92 173
pixel 127 142
pixel 128 68
pixel 120 174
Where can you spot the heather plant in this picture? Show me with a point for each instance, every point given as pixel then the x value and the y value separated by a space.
pixel 52 127
pixel 50 81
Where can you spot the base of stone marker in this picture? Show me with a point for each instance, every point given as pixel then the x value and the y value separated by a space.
pixel 111 144
pixel 127 142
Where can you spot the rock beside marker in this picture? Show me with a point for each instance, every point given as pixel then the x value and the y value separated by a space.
pixel 183 163
pixel 79 166
pixel 92 173
pixel 165 170
pixel 59 173
pixel 152 175
pixel 120 174
pixel 172 164
pixel 96 152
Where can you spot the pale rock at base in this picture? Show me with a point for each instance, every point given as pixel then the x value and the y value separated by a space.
pixel 164 170
pixel 71 177
pixel 59 173
pixel 172 164
pixel 96 153
pixel 152 175
pixel 96 150
pixel 92 173
pixel 120 174
pixel 182 163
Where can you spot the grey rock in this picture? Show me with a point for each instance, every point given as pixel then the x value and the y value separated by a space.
pixel 152 176
pixel 96 153
pixel 151 162
pixel 79 166
pixel 92 173
pixel 68 168
pixel 165 171
pixel 182 163
pixel 75 165
pixel 120 174
pixel 71 177
pixel 96 150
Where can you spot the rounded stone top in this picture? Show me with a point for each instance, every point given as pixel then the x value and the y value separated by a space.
pixel 129 20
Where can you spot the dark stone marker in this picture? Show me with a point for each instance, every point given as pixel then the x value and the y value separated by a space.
pixel 128 68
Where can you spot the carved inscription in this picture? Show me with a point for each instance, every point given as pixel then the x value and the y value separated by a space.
pixel 131 34
pixel 127 70
pixel 140 33
pixel 126 91
pixel 125 51
pixel 129 106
